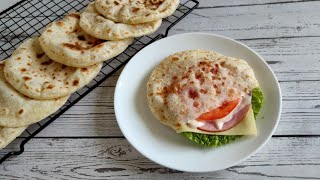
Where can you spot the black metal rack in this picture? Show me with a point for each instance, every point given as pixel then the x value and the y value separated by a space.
pixel 28 17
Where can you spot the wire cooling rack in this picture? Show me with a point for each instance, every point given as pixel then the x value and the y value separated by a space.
pixel 27 18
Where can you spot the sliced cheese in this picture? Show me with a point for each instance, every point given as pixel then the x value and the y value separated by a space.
pixel 246 127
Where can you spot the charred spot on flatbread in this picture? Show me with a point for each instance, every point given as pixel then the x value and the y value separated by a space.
pixel 40 77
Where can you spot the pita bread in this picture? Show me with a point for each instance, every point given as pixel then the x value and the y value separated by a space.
pixel 136 11
pixel 35 75
pixel 98 26
pixel 17 110
pixel 188 84
pixel 65 42
pixel 7 135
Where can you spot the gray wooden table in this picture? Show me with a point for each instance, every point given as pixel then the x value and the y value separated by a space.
pixel 86 142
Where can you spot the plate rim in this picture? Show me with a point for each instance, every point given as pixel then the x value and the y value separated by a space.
pixel 278 88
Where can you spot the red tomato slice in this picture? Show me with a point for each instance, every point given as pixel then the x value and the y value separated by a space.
pixel 219 112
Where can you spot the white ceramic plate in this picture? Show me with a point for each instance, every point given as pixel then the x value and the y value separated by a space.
pixel 160 143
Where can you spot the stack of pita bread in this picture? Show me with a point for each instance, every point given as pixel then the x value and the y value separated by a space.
pixel 43 71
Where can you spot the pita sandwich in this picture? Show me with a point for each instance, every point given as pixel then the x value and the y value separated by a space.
pixel 204 92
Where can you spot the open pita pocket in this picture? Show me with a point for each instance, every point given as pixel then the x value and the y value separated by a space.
pixel 18 110
pixel 98 26
pixel 30 71
pixel 136 11
pixel 7 135
pixel 65 42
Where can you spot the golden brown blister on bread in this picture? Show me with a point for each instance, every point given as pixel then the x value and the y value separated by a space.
pixel 30 71
pixel 18 110
pixel 65 42
pixel 136 11
pixel 100 27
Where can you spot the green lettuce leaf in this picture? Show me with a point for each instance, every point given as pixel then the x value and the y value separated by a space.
pixel 218 140
pixel 256 101
pixel 209 140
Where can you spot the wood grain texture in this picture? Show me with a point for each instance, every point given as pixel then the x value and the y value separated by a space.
pixel 285 32
pixel 115 159
pixel 228 3
pixel 258 21
pixel 4 5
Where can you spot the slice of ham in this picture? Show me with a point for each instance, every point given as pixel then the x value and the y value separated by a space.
pixel 236 119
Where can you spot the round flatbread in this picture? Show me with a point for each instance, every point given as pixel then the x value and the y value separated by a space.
pixel 136 11
pixel 98 26
pixel 7 135
pixel 188 84
pixel 30 71
pixel 65 42
pixel 17 110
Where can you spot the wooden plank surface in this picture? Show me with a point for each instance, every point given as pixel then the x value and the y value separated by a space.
pixel 256 21
pixel 285 32
pixel 115 159
pixel 232 3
